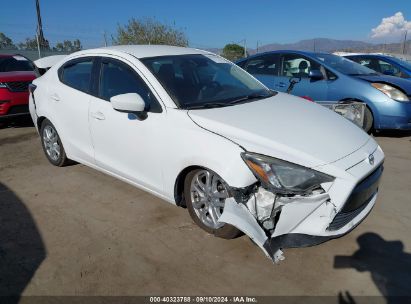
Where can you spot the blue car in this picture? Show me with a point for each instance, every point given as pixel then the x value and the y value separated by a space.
pixel 327 77
pixel 383 64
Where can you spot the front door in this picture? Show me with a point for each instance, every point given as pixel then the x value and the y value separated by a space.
pixel 127 144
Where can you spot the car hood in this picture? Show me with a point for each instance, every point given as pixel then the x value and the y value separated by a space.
pixel 17 76
pixel 401 83
pixel 285 127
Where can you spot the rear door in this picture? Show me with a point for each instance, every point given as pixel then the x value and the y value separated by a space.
pixel 265 68
pixel 299 66
pixel 70 100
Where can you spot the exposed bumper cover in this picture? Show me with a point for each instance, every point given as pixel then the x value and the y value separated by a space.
pixel 238 215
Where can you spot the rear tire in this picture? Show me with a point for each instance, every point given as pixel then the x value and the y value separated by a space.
pixel 52 146
pixel 205 193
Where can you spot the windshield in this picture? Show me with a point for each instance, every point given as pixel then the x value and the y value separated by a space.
pixel 404 63
pixel 344 65
pixel 15 63
pixel 200 81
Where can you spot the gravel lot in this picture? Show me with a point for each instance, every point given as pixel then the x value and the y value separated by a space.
pixel 75 231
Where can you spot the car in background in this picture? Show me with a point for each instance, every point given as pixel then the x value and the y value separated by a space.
pixel 384 64
pixel 16 73
pixel 198 131
pixel 327 77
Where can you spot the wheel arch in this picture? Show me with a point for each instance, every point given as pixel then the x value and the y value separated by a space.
pixel 179 185
pixel 369 105
pixel 40 121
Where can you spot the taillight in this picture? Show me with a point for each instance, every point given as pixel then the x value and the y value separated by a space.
pixel 307 98
pixel 32 88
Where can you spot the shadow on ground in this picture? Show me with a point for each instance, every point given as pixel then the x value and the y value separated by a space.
pixel 393 133
pixel 21 247
pixel 18 122
pixel 387 262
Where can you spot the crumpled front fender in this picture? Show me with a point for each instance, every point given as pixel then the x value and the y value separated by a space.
pixel 238 216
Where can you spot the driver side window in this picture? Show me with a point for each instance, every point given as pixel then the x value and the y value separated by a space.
pixel 117 78
pixel 297 66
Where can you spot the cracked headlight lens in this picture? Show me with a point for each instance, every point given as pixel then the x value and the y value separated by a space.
pixel 283 177
pixel 390 91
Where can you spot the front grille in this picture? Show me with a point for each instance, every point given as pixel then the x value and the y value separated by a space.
pixel 18 86
pixel 358 200
pixel 19 109
pixel 364 190
pixel 343 218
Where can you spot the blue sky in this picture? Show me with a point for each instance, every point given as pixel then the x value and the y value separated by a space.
pixel 210 23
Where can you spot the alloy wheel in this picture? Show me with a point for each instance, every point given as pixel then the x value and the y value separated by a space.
pixel 208 193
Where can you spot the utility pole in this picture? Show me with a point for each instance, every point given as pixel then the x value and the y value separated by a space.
pixel 405 42
pixel 245 48
pixel 256 50
pixel 38 45
pixel 40 36
pixel 105 38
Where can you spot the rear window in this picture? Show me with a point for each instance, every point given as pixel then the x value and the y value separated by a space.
pixel 15 63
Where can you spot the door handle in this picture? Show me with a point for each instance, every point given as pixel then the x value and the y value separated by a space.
pixel 281 84
pixel 55 97
pixel 98 115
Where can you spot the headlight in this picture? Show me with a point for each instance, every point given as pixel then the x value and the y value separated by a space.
pixel 390 91
pixel 284 177
pixel 2 85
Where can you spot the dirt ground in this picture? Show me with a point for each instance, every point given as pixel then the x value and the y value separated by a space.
pixel 75 231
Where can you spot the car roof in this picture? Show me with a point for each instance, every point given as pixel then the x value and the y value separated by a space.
pixel 368 55
pixel 144 51
pixel 8 55
pixel 304 53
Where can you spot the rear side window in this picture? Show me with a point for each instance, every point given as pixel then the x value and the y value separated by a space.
pixel 15 63
pixel 264 65
pixel 242 64
pixel 77 74
pixel 118 78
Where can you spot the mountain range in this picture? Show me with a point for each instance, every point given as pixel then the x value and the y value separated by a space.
pixel 331 45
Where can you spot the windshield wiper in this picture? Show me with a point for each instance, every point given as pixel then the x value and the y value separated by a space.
pixel 241 99
pixel 209 105
pixel 369 74
pixel 251 96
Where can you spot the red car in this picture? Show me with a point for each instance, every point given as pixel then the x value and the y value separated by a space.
pixel 16 73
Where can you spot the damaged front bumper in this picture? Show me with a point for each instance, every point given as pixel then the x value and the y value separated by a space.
pixel 275 222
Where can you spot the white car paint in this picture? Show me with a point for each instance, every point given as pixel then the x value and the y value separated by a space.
pixel 151 153
pixel 49 61
pixel 279 126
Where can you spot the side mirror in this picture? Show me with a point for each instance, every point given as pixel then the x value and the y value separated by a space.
pixel 389 72
pixel 315 75
pixel 129 103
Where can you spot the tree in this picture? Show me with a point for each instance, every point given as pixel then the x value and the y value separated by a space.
pixel 68 46
pixel 6 42
pixel 31 44
pixel 149 31
pixel 233 51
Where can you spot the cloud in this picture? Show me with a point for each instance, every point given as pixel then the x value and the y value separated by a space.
pixel 391 27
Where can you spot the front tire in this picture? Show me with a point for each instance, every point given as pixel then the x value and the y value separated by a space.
pixel 205 193
pixel 52 146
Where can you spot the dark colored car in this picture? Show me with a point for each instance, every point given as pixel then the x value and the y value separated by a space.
pixel 327 77
pixel 387 65
pixel 16 73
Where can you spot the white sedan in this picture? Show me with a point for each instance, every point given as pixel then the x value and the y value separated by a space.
pixel 197 131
